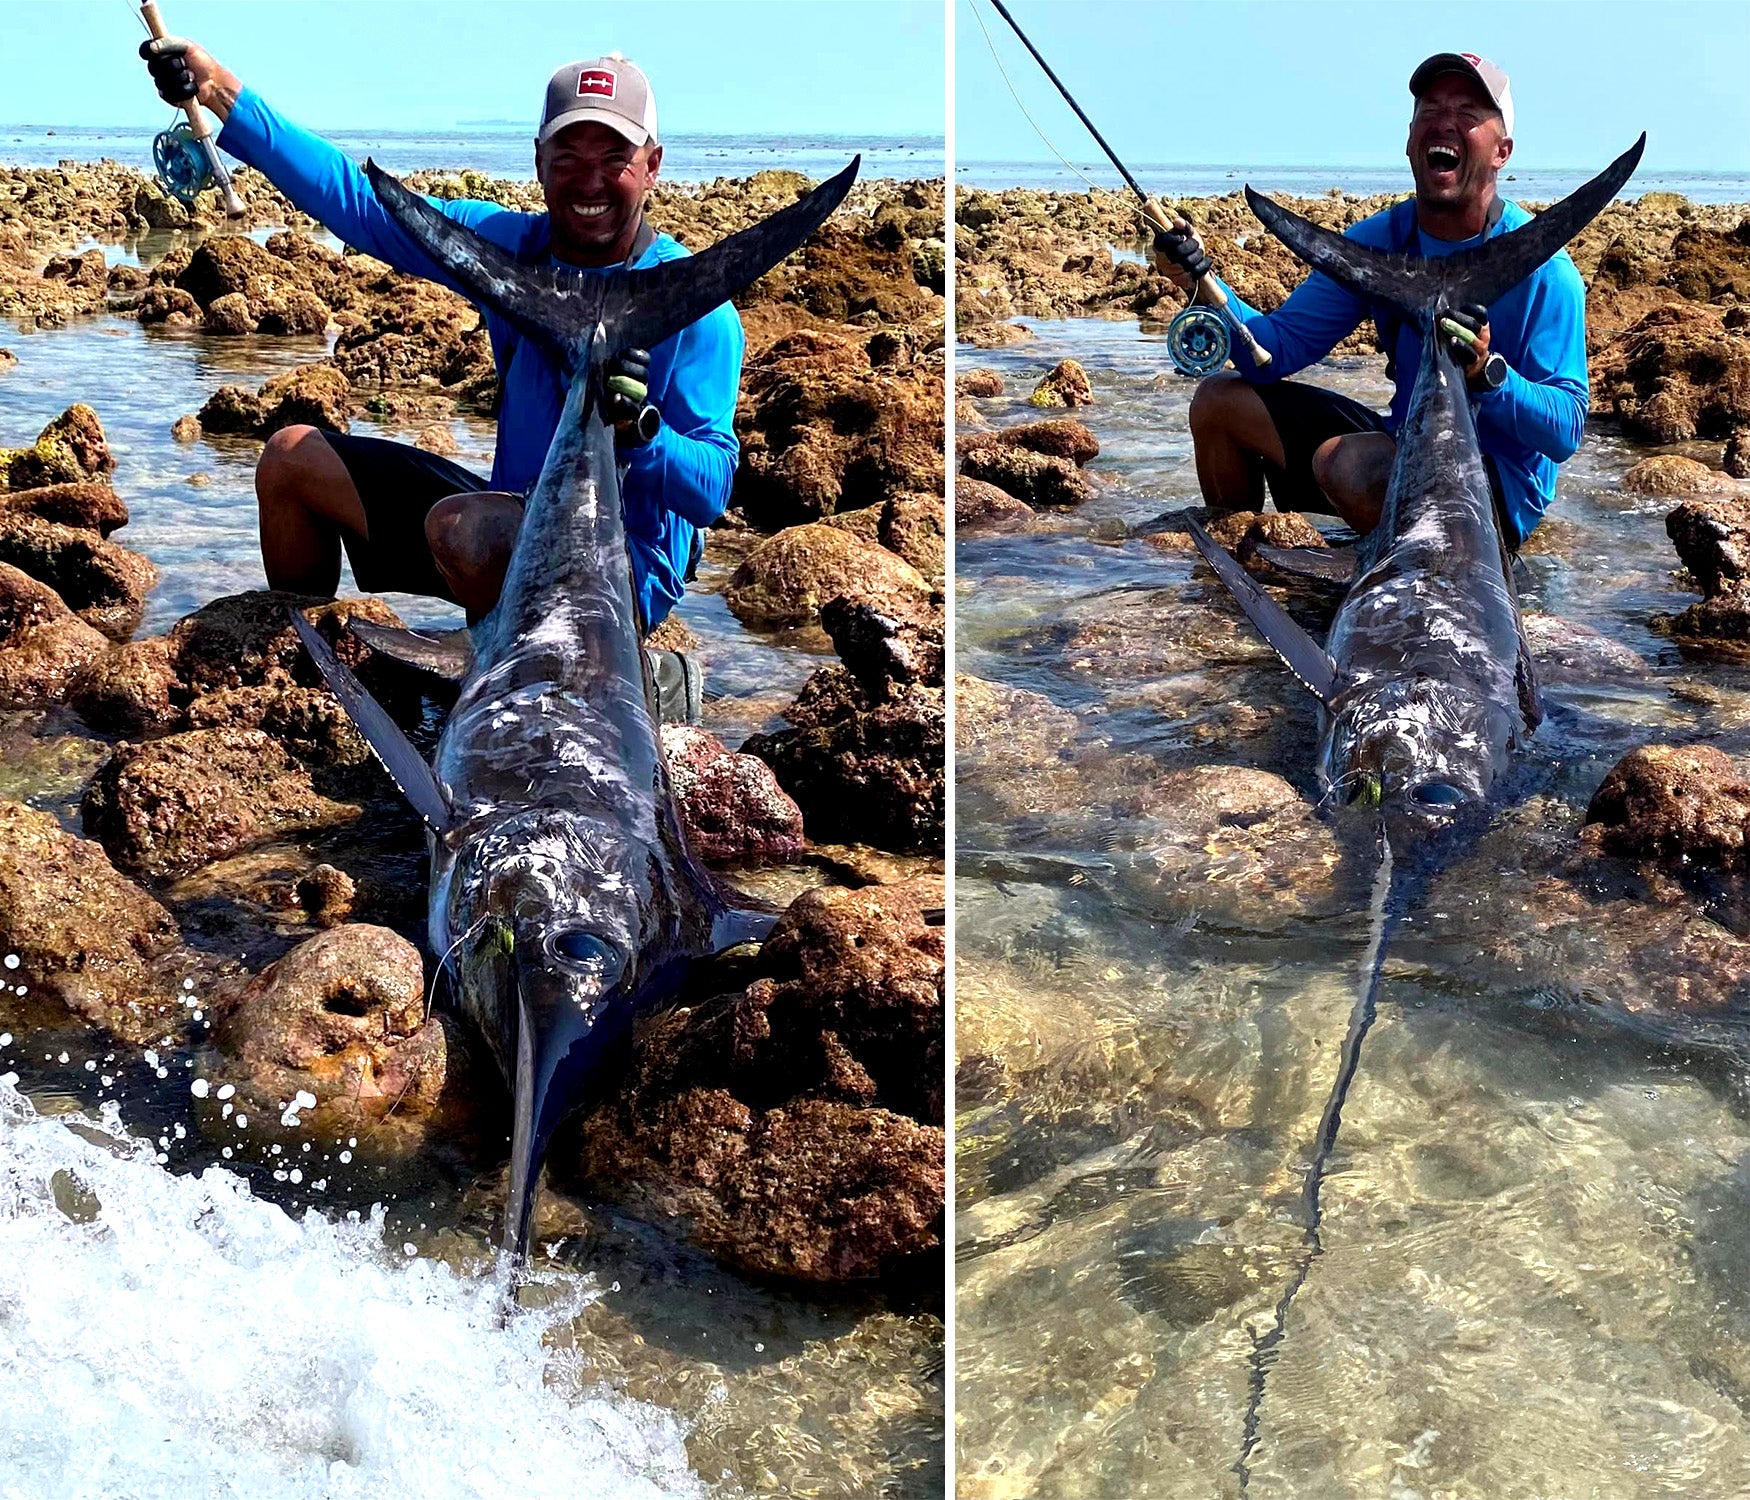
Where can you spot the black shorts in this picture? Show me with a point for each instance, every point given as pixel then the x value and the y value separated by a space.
pixel 397 485
pixel 1305 416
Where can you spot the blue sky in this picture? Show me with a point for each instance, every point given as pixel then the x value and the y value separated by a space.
pixel 739 66
pixel 1320 84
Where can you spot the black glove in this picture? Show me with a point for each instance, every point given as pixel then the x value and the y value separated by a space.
pixel 167 62
pixel 1180 248
pixel 625 399
pixel 1474 316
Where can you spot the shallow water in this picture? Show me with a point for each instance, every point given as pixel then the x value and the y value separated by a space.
pixel 221 1325
pixel 1533 1243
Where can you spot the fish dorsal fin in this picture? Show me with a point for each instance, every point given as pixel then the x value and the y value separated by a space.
pixel 406 766
pixel 1422 287
pixel 448 656
pixel 1300 653
pixel 562 309
pixel 1325 564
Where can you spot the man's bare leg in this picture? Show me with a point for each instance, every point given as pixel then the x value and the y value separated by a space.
pixel 304 496
pixel 472 537
pixel 1230 431
pixel 1353 470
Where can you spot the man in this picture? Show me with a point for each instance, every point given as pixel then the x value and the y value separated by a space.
pixel 1322 451
pixel 416 523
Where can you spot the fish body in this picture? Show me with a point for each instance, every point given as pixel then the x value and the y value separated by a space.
pixel 564 900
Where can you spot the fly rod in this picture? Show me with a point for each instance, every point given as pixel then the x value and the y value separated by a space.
pixel 185 156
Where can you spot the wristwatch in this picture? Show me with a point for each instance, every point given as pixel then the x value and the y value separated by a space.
pixel 1493 375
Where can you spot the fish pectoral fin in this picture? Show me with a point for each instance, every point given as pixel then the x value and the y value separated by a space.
pixel 406 766
pixel 448 656
pixel 1300 653
pixel 1324 564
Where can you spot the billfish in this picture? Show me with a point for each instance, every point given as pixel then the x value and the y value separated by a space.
pixel 1425 681
pixel 564 900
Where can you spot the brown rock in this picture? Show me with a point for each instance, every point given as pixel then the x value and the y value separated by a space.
pixel 229 314
pixel 233 265
pixel 296 312
pixel 1712 537
pixel 101 581
pixel 130 689
pixel 1736 459
pixel 1035 478
pixel 787 577
pixel 979 506
pixel 437 438
pixel 327 894
pixel 70 449
pixel 172 805
pixel 981 383
pixel 231 409
pixel 90 504
pixel 1242 532
pixel 44 647
pixel 672 634
pixel 187 429
pixel 79 429
pixel 1066 384
pixel 967 416
pixel 1668 474
pixel 1678 374
pixel 994 335
pixel 245 640
pixel 913 527
pixel 8 361
pixel 309 722
pixel 315 395
pixel 1685 806
pixel 168 304
pixel 343 1017
pixel 1060 437
pixel 732 807
pixel 884 646
pixel 85 936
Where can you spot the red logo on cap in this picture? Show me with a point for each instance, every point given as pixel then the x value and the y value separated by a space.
pixel 1471 58
pixel 597 81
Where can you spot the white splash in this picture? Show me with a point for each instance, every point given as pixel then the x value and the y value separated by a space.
pixel 181 1333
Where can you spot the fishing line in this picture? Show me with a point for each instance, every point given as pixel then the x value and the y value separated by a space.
pixel 1092 185
pixel 1265 1350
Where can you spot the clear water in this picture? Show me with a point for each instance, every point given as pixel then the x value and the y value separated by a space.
pixel 223 1327
pixel 1534 1244
pixel 509 152
pixel 1180 180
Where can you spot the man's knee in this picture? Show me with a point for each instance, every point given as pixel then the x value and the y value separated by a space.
pixel 285 462
pixel 472 530
pixel 1214 403
pixel 1354 466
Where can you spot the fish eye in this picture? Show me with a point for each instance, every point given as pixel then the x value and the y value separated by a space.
pixel 579 949
pixel 1438 795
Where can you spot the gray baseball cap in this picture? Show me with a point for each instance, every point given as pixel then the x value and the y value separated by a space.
pixel 608 90
pixel 1493 80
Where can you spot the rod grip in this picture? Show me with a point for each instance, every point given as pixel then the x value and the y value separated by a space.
pixel 197 122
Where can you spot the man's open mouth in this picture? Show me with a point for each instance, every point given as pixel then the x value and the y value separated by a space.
pixel 1443 159
pixel 590 210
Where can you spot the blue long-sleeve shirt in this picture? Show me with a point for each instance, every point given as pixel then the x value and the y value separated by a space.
pixel 675 485
pixel 1531 424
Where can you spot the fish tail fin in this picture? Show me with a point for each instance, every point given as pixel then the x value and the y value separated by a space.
pixel 1424 287
pixel 562 308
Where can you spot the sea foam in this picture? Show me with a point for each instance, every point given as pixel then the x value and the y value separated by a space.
pixel 174 1336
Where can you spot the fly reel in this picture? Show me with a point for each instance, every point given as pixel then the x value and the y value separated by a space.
pixel 1199 340
pixel 181 163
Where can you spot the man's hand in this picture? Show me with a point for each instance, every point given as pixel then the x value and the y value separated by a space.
pixel 1180 257
pixel 184 71
pixel 626 399
pixel 1470 357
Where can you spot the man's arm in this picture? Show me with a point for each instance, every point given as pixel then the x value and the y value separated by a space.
pixel 691 462
pixel 1544 402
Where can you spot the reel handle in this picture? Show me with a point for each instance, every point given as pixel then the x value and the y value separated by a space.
pixel 1208 289
pixel 197 122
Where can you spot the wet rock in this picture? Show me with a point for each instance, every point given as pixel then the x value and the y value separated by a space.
pixel 231 409
pixel 1066 384
pixel 1242 532
pixel 732 807
pixel 229 315
pixel 314 395
pixel 1034 478
pixel 437 438
pixel 67 451
pixel 1678 374
pixel 1712 537
pixel 1718 626
pixel 913 527
pixel 327 894
pixel 309 722
pixel 296 312
pixel 994 335
pixel 172 805
pixel 1572 651
pixel 86 937
pixel 1060 437
pixel 673 634
pixel 787 577
pixel 187 429
pixel 341 1017
pixel 8 361
pixel 245 640
pixel 981 383
pixel 169 305
pixel 884 646
pixel 90 504
pixel 821 430
pixel 979 506
pixel 1684 806
pixel 1668 474
pixel 1736 459
pixel 102 582
pixel 131 690
pixel 232 265
pixel 44 647
pixel 967 417
pixel 871 776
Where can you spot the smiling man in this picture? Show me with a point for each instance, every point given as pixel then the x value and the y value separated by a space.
pixel 1321 451
pixel 413 522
